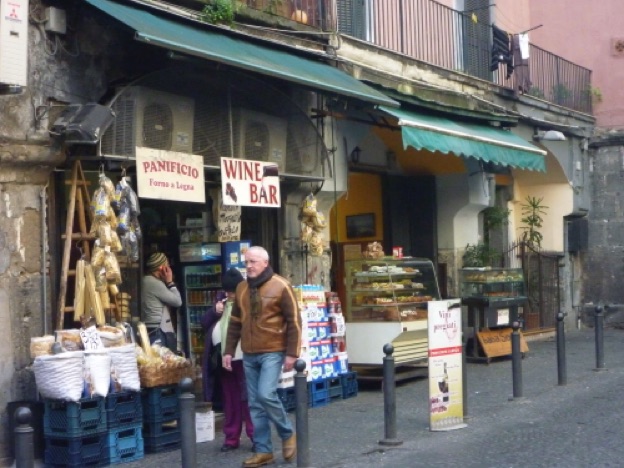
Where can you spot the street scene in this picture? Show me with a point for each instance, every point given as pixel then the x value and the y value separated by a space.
pixel 575 425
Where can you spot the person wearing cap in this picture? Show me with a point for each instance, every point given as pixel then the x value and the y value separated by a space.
pixel 265 319
pixel 158 294
pixel 232 384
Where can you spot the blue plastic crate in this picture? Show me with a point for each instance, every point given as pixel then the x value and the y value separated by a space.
pixel 89 450
pixel 167 439
pixel 318 393
pixel 161 403
pixel 124 408
pixel 287 397
pixel 157 429
pixel 334 385
pixel 74 418
pixel 125 444
pixel 349 384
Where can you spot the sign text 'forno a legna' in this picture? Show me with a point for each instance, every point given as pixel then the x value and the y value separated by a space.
pixel 250 183
pixel 169 175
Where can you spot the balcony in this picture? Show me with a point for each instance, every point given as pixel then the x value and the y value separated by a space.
pixel 428 31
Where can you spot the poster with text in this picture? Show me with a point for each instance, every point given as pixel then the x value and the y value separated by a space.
pixel 250 183
pixel 446 406
pixel 169 175
pixel 228 218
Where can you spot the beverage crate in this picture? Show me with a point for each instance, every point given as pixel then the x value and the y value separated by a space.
pixel 318 393
pixel 74 418
pixel 349 384
pixel 334 385
pixel 86 450
pixel 287 397
pixel 125 444
pixel 159 438
pixel 124 408
pixel 161 403
pixel 156 429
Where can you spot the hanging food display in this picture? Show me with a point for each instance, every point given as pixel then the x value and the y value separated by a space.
pixel 312 225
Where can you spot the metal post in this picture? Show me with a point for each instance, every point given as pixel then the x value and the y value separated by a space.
pixel 465 376
pixel 187 424
pixel 599 328
pixel 516 361
pixel 301 414
pixel 561 354
pixel 24 435
pixel 389 398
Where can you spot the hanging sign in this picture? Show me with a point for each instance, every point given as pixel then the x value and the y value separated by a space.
pixel 250 183
pixel 228 218
pixel 169 175
pixel 446 406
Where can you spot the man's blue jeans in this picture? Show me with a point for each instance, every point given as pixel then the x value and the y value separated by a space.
pixel 262 371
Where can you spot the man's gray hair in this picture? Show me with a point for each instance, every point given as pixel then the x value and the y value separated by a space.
pixel 260 252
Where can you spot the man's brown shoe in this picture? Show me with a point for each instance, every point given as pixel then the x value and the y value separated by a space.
pixel 289 448
pixel 259 459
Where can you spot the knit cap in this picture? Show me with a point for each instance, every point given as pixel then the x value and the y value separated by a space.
pixel 155 260
pixel 230 280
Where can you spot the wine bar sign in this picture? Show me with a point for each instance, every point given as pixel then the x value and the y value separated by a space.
pixel 250 183
pixel 446 407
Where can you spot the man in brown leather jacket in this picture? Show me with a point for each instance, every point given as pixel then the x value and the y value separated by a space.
pixel 265 318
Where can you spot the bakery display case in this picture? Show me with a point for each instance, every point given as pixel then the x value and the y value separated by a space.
pixel 386 302
pixel 494 298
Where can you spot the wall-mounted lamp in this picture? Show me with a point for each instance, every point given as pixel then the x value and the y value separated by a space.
pixel 549 135
pixel 355 155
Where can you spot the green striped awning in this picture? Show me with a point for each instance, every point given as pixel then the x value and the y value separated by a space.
pixel 490 144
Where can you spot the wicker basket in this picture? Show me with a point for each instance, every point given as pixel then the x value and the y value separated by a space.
pixel 155 376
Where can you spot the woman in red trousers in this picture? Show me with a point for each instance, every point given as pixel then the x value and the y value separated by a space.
pixel 234 387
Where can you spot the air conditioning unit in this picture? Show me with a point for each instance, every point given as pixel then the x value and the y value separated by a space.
pixel 261 137
pixel 150 118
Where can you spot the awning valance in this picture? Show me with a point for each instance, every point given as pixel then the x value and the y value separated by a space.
pixel 489 144
pixel 211 45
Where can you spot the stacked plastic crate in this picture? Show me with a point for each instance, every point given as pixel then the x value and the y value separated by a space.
pixel 323 349
pixel 75 432
pixel 124 416
pixel 161 418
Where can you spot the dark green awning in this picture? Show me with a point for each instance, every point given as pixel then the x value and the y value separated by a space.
pixel 200 41
pixel 468 140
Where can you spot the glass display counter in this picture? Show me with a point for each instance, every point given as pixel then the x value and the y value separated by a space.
pixel 493 297
pixel 386 302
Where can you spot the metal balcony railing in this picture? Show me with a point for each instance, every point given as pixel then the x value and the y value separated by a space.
pixel 434 33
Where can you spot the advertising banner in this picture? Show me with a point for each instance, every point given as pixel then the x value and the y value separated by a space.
pixel 169 175
pixel 250 183
pixel 446 406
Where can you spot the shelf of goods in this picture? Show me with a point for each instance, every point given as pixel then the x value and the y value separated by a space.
pixel 386 302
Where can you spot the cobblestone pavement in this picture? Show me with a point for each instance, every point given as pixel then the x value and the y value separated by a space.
pixel 576 425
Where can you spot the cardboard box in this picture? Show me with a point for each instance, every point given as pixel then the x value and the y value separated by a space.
pixel 204 426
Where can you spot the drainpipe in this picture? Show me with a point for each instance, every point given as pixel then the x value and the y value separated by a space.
pixel 44 260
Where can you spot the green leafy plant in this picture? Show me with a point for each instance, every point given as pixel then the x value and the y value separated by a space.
pixel 561 93
pixel 479 255
pixel 596 94
pixel 218 12
pixel 494 217
pixel 536 92
pixel 273 6
pixel 532 217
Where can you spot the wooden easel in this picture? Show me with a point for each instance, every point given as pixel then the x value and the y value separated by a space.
pixel 79 202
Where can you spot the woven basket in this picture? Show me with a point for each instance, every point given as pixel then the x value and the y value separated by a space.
pixel 156 376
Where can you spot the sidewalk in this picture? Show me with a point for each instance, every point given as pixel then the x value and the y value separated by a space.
pixel 551 426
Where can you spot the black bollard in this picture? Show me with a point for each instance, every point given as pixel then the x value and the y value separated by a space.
pixel 187 424
pixel 516 361
pixel 599 329
pixel 561 354
pixel 301 416
pixel 389 387
pixel 465 376
pixel 24 436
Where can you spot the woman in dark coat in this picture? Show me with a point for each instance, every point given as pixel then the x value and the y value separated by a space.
pixel 211 359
